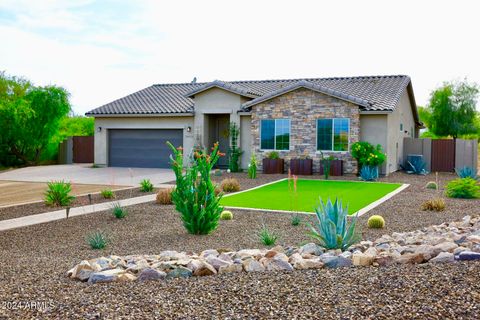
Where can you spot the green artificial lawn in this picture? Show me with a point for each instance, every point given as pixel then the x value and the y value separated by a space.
pixel 277 196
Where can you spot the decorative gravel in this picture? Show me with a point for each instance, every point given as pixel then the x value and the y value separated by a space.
pixel 40 207
pixel 33 261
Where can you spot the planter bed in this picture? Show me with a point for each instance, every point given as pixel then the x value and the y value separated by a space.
pixel 40 207
pixel 33 262
pixel 301 166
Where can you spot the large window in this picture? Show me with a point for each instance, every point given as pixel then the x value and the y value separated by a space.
pixel 275 134
pixel 332 134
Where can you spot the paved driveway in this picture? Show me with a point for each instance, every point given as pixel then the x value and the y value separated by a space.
pixel 85 174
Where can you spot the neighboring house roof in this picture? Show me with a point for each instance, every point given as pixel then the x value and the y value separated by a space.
pixel 371 93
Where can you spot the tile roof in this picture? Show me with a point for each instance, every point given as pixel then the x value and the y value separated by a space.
pixel 371 93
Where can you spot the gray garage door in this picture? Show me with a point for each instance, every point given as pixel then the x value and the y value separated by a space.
pixel 142 148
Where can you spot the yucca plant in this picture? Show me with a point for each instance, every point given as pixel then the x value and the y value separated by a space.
pixel 331 230
pixel 369 173
pixel 118 211
pixel 194 195
pixel 466 172
pixel 97 240
pixel 267 237
pixel 58 193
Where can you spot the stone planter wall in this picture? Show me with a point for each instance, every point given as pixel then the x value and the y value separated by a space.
pixel 303 107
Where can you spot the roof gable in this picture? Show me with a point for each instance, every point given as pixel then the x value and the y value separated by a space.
pixel 231 87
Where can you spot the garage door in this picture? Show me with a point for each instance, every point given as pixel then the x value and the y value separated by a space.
pixel 142 148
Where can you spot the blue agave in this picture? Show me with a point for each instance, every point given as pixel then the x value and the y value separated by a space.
pixel 369 173
pixel 466 172
pixel 331 230
pixel 417 166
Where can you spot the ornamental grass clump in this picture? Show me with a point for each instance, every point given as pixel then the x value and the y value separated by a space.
pixel 146 185
pixel 97 240
pixel 296 220
pixel 58 193
pixel 230 185
pixel 107 194
pixel 376 222
pixel 267 237
pixel 164 196
pixel 194 195
pixel 118 211
pixel 331 229
pixel 435 204
pixel 466 188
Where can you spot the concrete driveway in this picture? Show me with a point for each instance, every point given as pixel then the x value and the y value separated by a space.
pixel 85 174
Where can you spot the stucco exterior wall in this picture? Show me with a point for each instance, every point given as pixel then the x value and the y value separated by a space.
pixel 374 129
pixel 101 138
pixel 402 115
pixel 303 107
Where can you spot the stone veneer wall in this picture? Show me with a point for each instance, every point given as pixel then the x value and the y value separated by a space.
pixel 303 107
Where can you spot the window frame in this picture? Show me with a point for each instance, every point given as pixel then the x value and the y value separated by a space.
pixel 275 134
pixel 333 136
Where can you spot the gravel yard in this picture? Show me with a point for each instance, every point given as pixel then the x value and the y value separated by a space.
pixel 34 261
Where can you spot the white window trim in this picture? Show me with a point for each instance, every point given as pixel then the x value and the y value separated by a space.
pixel 333 136
pixel 275 135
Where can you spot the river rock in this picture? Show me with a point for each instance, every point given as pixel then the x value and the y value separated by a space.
pixel 105 276
pixel 151 274
pixel 179 272
pixel 232 268
pixel 252 265
pixel 443 257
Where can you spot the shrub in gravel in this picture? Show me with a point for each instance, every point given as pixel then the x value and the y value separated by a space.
pixel 436 204
pixel 146 185
pixel 107 194
pixel 164 196
pixel 267 237
pixel 194 196
pixel 376 222
pixel 252 167
pixel 97 240
pixel 296 220
pixel 118 211
pixel 58 193
pixel 466 188
pixel 432 185
pixel 331 229
pixel 226 215
pixel 230 185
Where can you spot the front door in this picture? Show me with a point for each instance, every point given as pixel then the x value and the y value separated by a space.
pixel 221 135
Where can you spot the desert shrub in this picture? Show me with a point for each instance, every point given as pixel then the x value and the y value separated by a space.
pixel 146 185
pixel 376 222
pixel 369 173
pixel 252 167
pixel 366 154
pixel 97 240
pixel 273 155
pixel 417 166
pixel 194 195
pixel 331 229
pixel 326 163
pixel 58 193
pixel 107 194
pixel 230 185
pixel 118 211
pixel 234 151
pixel 432 185
pixel 267 237
pixel 436 204
pixel 466 188
pixel 164 196
pixel 226 215
pixel 466 172
pixel 296 220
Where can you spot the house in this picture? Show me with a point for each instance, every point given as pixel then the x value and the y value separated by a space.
pixel 294 117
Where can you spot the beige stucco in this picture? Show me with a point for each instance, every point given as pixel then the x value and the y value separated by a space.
pixel 101 137
pixel 373 128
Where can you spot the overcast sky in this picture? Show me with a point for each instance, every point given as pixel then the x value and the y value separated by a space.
pixel 104 50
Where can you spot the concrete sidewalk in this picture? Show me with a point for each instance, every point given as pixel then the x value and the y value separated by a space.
pixel 78 211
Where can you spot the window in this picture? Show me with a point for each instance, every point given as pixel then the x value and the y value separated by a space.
pixel 275 134
pixel 401 126
pixel 333 134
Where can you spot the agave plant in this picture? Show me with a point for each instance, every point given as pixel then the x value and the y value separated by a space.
pixel 466 172
pixel 332 230
pixel 417 166
pixel 369 173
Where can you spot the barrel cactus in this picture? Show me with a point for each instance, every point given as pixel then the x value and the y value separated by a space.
pixel 432 185
pixel 226 215
pixel 376 222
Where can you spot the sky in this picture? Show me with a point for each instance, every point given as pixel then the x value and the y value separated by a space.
pixel 103 50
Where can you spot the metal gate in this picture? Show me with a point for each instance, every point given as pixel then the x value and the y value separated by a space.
pixel 83 149
pixel 443 155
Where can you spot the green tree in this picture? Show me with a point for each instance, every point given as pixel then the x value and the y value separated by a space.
pixel 452 109
pixel 29 117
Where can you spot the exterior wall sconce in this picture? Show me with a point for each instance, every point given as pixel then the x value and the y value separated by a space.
pixel 99 129
pixel 189 129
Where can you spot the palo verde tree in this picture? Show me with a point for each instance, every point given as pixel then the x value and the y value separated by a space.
pixel 452 109
pixel 29 117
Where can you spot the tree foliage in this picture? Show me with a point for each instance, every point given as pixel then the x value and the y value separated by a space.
pixel 29 117
pixel 452 110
